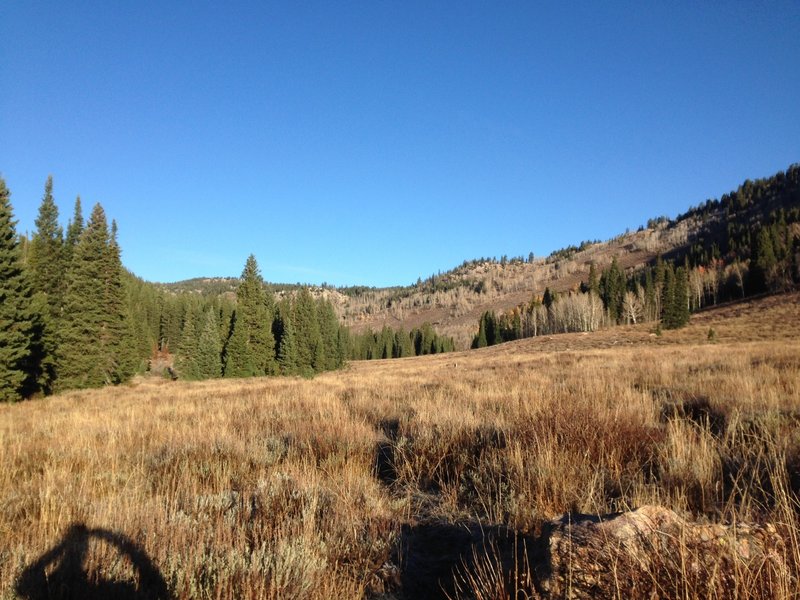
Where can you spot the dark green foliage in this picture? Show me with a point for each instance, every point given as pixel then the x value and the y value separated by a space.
pixel 209 348
pixel 144 304
pixel 286 339
pixel 385 343
pixel 308 336
pixel 668 315
pixel 593 283
pixel 74 230
pixel 489 332
pixel 238 359
pixel 87 322
pixel 764 264
pixel 480 340
pixel 120 331
pixel 96 348
pixel 329 333
pixel 46 266
pixel 199 354
pixel 188 352
pixel 612 290
pixel 680 310
pixel 46 252
pixel 172 311
pixel 403 345
pixel 390 343
pixel 16 320
pixel 250 350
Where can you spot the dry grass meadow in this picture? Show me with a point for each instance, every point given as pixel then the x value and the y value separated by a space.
pixel 375 481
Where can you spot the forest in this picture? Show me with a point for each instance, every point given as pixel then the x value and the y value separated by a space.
pixel 744 244
pixel 73 317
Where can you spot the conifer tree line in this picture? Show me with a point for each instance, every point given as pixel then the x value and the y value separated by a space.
pixel 65 322
pixel 398 343
pixel 754 248
pixel 71 316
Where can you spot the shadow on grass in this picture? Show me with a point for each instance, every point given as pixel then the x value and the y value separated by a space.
pixel 60 573
pixel 435 557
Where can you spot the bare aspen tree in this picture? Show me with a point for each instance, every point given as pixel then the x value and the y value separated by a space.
pixel 711 282
pixel 632 308
pixel 696 287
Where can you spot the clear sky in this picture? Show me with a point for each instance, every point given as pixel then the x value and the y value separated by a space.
pixel 375 142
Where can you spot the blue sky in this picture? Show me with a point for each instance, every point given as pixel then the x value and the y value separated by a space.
pixel 375 142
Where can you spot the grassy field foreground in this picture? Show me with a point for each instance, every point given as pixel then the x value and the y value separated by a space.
pixel 291 488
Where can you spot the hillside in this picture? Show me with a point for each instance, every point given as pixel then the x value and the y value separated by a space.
pixel 717 231
pixel 427 477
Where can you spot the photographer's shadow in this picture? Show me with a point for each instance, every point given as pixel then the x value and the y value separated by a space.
pixel 61 574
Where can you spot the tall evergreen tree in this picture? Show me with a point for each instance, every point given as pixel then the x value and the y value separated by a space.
pixel 286 339
pixel 46 253
pixel 680 311
pixel 329 330
pixel 46 265
pixel 238 358
pixel 612 285
pixel 251 347
pixel 187 359
pixel 402 344
pixel 209 348
pixel 343 344
pixel 668 313
pixel 764 261
pixel 120 330
pixel 93 347
pixel 16 323
pixel 481 340
pixel 306 326
pixel 74 230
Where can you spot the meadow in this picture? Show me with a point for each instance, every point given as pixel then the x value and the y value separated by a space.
pixel 384 479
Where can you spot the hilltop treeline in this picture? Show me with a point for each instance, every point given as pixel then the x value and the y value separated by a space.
pixel 746 243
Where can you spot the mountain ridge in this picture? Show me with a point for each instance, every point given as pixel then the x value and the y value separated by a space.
pixel 715 230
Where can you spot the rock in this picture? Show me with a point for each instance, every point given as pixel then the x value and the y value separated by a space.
pixel 652 551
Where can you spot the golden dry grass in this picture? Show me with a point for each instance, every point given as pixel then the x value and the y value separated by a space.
pixel 292 488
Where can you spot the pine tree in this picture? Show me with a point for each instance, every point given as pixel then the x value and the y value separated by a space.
pixel 74 230
pixel 119 330
pixel 251 348
pixel 93 340
pixel 386 343
pixel 329 330
pixel 46 268
pixel 209 349
pixel 286 340
pixel 481 340
pixel 668 313
pixel 238 358
pixel 343 344
pixel 306 326
pixel 403 345
pixel 612 285
pixel 594 284
pixel 764 261
pixel 187 359
pixel 46 251
pixel 16 323
pixel 680 300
